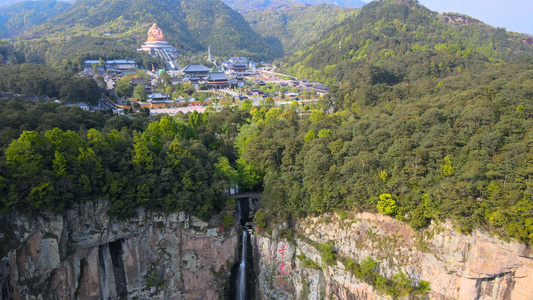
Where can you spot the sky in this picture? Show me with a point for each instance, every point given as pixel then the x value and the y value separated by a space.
pixel 514 15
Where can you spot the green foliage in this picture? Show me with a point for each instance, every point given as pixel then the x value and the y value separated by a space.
pixel 24 15
pixel 223 166
pixel 324 132
pixel 269 102
pixel 154 280
pixel 307 263
pixel 81 89
pixel 143 157
pixel 228 213
pixel 367 267
pixel 447 169
pixel 295 104
pixel 424 287
pixel 249 175
pixel 123 86
pixel 399 286
pixel 383 44
pixel 387 205
pixel 228 220
pixel 43 80
pixel 288 28
pixel 389 114
pixel 309 136
pixel 418 217
pixel 162 166
pixel 246 105
pixel 317 115
pixel 402 284
pixel 260 218
pixel 328 253
pixel 198 119
pixel 272 114
pixel 383 175
pixel 139 93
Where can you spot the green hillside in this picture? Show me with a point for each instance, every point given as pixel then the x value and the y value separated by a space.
pixel 398 37
pixel 291 27
pixel 119 24
pixel 24 15
pixel 432 121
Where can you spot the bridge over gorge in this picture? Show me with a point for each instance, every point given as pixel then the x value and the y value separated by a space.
pixel 247 205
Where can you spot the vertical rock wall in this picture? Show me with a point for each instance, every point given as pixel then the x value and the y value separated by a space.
pixel 458 266
pixel 85 254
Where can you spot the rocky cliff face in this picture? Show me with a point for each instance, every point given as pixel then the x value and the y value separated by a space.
pixel 86 254
pixel 458 266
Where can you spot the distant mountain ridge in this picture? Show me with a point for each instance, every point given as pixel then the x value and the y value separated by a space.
pixel 22 16
pixel 391 32
pixel 5 3
pixel 190 26
pixel 259 4
pixel 292 27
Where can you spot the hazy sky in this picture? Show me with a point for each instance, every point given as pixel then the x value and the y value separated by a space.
pixel 514 15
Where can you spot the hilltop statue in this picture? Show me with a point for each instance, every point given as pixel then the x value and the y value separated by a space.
pixel 156 46
pixel 155 34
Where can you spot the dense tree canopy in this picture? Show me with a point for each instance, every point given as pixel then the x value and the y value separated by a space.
pixel 43 80
pixel 291 28
pixel 162 164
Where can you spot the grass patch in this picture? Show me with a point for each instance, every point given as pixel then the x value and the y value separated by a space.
pixel 308 263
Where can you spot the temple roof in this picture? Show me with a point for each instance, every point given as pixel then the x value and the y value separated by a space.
pixel 217 76
pixel 196 68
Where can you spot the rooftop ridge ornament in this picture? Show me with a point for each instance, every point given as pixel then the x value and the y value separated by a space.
pixel 155 34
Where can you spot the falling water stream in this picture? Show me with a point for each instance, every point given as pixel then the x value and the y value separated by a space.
pixel 240 283
pixel 242 274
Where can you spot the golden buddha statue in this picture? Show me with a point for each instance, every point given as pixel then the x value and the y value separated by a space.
pixel 155 34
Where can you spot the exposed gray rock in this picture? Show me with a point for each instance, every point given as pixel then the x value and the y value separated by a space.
pixel 89 255
pixel 458 266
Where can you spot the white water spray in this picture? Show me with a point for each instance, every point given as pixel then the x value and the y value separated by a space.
pixel 241 277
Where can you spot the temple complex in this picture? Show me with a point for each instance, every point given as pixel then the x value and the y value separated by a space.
pixel 157 46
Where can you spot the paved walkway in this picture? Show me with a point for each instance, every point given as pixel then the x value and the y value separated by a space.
pixel 175 110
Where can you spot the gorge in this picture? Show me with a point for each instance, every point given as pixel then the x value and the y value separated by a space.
pixel 86 255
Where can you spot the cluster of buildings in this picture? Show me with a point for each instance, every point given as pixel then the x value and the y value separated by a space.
pixel 196 74
pixel 24 97
pixel 118 67
pixel 305 85
pixel 232 72
pixel 238 65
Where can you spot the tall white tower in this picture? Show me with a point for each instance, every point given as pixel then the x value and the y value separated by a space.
pixel 209 52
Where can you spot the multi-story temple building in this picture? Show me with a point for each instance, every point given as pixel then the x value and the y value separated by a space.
pixel 157 46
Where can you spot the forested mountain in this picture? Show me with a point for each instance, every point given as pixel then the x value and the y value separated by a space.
pixel 24 15
pixel 432 121
pixel 397 37
pixel 260 4
pixel 291 27
pixel 98 26
pixel 11 2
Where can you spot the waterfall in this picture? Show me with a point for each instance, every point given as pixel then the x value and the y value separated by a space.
pixel 239 210
pixel 241 276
